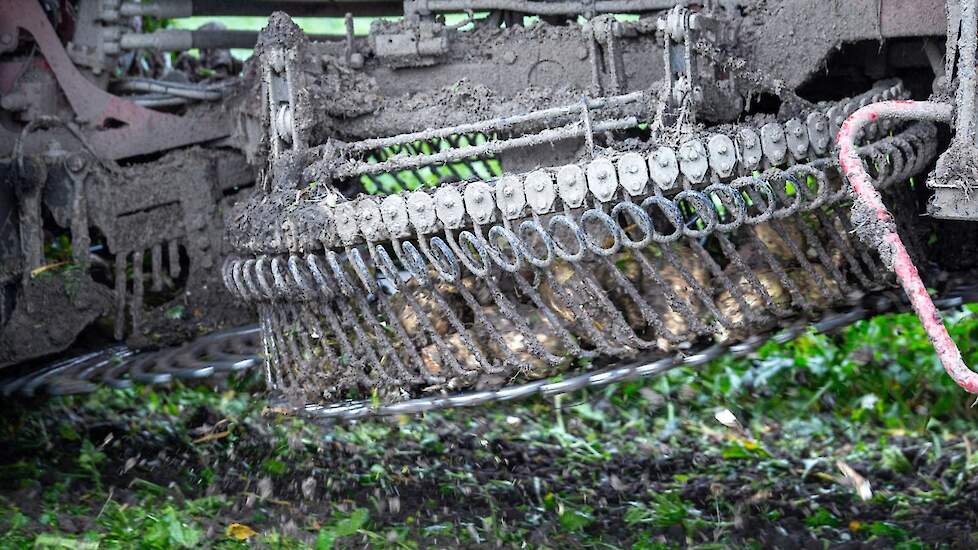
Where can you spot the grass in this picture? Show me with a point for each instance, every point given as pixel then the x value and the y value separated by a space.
pixel 637 465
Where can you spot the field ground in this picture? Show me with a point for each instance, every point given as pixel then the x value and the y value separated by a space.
pixel 855 440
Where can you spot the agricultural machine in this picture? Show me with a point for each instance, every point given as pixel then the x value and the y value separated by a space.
pixel 477 200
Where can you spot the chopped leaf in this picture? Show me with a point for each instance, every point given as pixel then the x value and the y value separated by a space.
pixel 240 531
pixel 855 480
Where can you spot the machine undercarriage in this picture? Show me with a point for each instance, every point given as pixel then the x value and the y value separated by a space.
pixel 477 196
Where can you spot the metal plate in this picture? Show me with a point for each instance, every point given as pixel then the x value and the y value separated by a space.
pixel 510 196
pixel 479 202
pixel 421 210
pixel 602 179
pixel 749 148
pixel 450 207
pixel 773 143
pixel 693 162
pixel 370 219
pixel 797 136
pixel 346 222
pixel 540 191
pixel 723 156
pixel 664 168
pixel 394 211
pixel 818 132
pixel 571 185
pixel 632 173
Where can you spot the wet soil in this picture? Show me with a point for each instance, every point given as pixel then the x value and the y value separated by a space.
pixel 506 476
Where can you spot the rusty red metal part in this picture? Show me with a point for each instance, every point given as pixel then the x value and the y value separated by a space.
pixel 869 209
pixel 145 131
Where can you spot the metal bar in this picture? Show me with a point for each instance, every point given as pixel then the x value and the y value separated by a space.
pixel 964 133
pixel 550 8
pixel 486 126
pixel 879 227
pixel 489 148
pixel 168 9
pixel 185 39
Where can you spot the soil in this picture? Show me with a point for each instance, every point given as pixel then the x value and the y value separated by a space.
pixel 506 476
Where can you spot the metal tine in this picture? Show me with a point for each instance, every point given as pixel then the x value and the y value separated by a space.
pixel 569 299
pixel 506 307
pixel 361 344
pixel 173 256
pixel 615 316
pixel 567 339
pixel 508 356
pixel 394 321
pixel 698 290
pixel 796 296
pixel 385 345
pixel 271 357
pixel 725 282
pixel 278 345
pixel 678 304
pixel 450 315
pixel 813 240
pixel 136 308
pixel 307 351
pixel 354 373
pixel 311 320
pixel 843 246
pixel 444 351
pixel 820 285
pixel 285 334
pixel 120 294
pixel 871 266
pixel 361 337
pixel 156 265
pixel 730 251
pixel 367 313
pixel 343 325
pixel 513 315
pixel 649 315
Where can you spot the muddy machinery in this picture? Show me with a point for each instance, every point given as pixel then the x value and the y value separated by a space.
pixel 480 199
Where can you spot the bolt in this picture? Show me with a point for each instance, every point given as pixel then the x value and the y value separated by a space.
pixel 602 175
pixel 449 203
pixel 507 191
pixel 820 126
pixel 511 209
pixel 663 161
pixel 478 198
pixel 722 149
pixel 798 131
pixel 775 138
pixel 691 154
pixel 633 169
pixel 509 57
pixel 539 187
pixel 748 142
pixel 76 163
